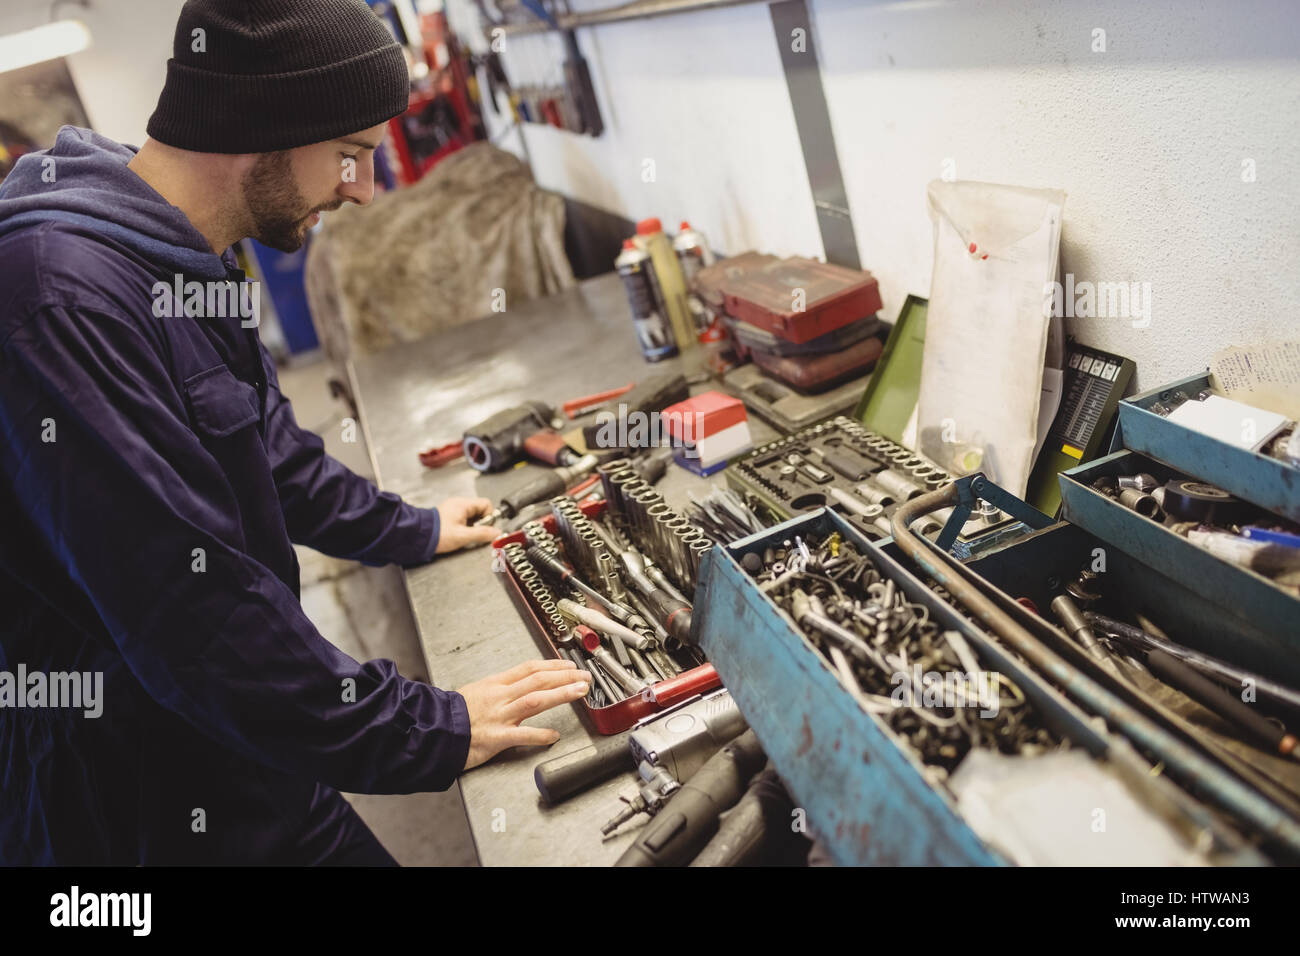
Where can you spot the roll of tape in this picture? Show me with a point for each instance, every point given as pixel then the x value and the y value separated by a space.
pixel 1189 500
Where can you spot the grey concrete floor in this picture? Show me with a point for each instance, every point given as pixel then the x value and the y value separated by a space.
pixel 365 613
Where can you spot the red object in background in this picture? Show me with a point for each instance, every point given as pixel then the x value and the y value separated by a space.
pixel 547 446
pixel 455 80
pixel 581 488
pixel 443 114
pixel 832 297
pixel 814 373
pixel 413 159
pixel 552 113
pixel 442 454
pixel 577 407
pixel 709 413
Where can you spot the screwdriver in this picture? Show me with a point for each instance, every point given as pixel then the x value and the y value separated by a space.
pixel 650 468
pixel 550 483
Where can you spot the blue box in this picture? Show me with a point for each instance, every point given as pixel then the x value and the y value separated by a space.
pixel 867 795
pixel 1268 482
pixel 1213 605
pixel 283 274
pixel 693 465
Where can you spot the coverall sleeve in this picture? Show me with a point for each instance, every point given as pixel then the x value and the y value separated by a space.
pixel 329 507
pixel 102 456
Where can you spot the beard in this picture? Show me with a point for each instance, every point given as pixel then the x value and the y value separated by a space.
pixel 280 212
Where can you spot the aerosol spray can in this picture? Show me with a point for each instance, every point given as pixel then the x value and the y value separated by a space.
pixel 653 332
pixel 693 254
pixel 692 251
pixel 668 280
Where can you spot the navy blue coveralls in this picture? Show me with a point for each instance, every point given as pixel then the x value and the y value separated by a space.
pixel 152 479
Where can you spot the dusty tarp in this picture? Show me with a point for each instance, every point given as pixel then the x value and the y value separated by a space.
pixel 434 254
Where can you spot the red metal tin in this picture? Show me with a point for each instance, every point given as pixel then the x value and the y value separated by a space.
pixel 799 299
pixel 819 372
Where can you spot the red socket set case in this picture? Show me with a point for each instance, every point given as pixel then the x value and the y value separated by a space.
pixel 618 717
pixel 799 299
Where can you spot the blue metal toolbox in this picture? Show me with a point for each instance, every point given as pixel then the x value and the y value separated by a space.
pixel 1260 479
pixel 868 796
pixel 1216 607
pixel 1036 568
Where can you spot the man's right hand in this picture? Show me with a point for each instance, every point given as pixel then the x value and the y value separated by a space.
pixel 498 704
pixel 455 531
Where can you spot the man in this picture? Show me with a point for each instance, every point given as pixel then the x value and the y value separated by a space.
pixel 152 479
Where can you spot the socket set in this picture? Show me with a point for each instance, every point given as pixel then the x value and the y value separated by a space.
pixel 608 585
pixel 862 476
pixel 639 513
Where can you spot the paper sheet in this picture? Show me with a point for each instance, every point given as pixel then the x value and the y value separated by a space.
pixel 1266 376
pixel 1048 404
pixel 1234 423
pixel 1030 808
pixel 987 328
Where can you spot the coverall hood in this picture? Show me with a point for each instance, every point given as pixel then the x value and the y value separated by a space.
pixel 83 180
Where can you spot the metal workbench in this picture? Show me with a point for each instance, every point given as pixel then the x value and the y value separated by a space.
pixel 426 393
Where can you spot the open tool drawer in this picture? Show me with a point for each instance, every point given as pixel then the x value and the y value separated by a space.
pixel 866 792
pixel 617 717
pixel 1042 565
pixel 1269 482
pixel 1215 606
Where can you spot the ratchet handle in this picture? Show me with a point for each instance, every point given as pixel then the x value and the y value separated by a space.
pixel 675 614
pixel 846 463
pixel 546 485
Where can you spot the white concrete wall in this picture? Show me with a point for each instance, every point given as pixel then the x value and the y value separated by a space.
pixel 700 95
pixel 1148 139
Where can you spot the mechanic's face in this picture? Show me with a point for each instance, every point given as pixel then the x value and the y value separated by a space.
pixel 286 191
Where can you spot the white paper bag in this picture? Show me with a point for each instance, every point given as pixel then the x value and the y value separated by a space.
pixel 995 251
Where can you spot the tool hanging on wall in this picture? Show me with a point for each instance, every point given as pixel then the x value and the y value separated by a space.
pixel 497 83
pixel 578 92
pixel 577 76
pixel 445 109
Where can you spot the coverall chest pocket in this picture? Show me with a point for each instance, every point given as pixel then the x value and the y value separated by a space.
pixel 219 403
pixel 225 413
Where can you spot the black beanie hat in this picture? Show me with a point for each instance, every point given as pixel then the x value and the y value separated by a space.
pixel 267 75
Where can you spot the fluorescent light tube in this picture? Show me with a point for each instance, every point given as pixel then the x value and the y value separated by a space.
pixel 46 42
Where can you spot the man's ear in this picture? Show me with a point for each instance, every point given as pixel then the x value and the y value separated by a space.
pixel 241 163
